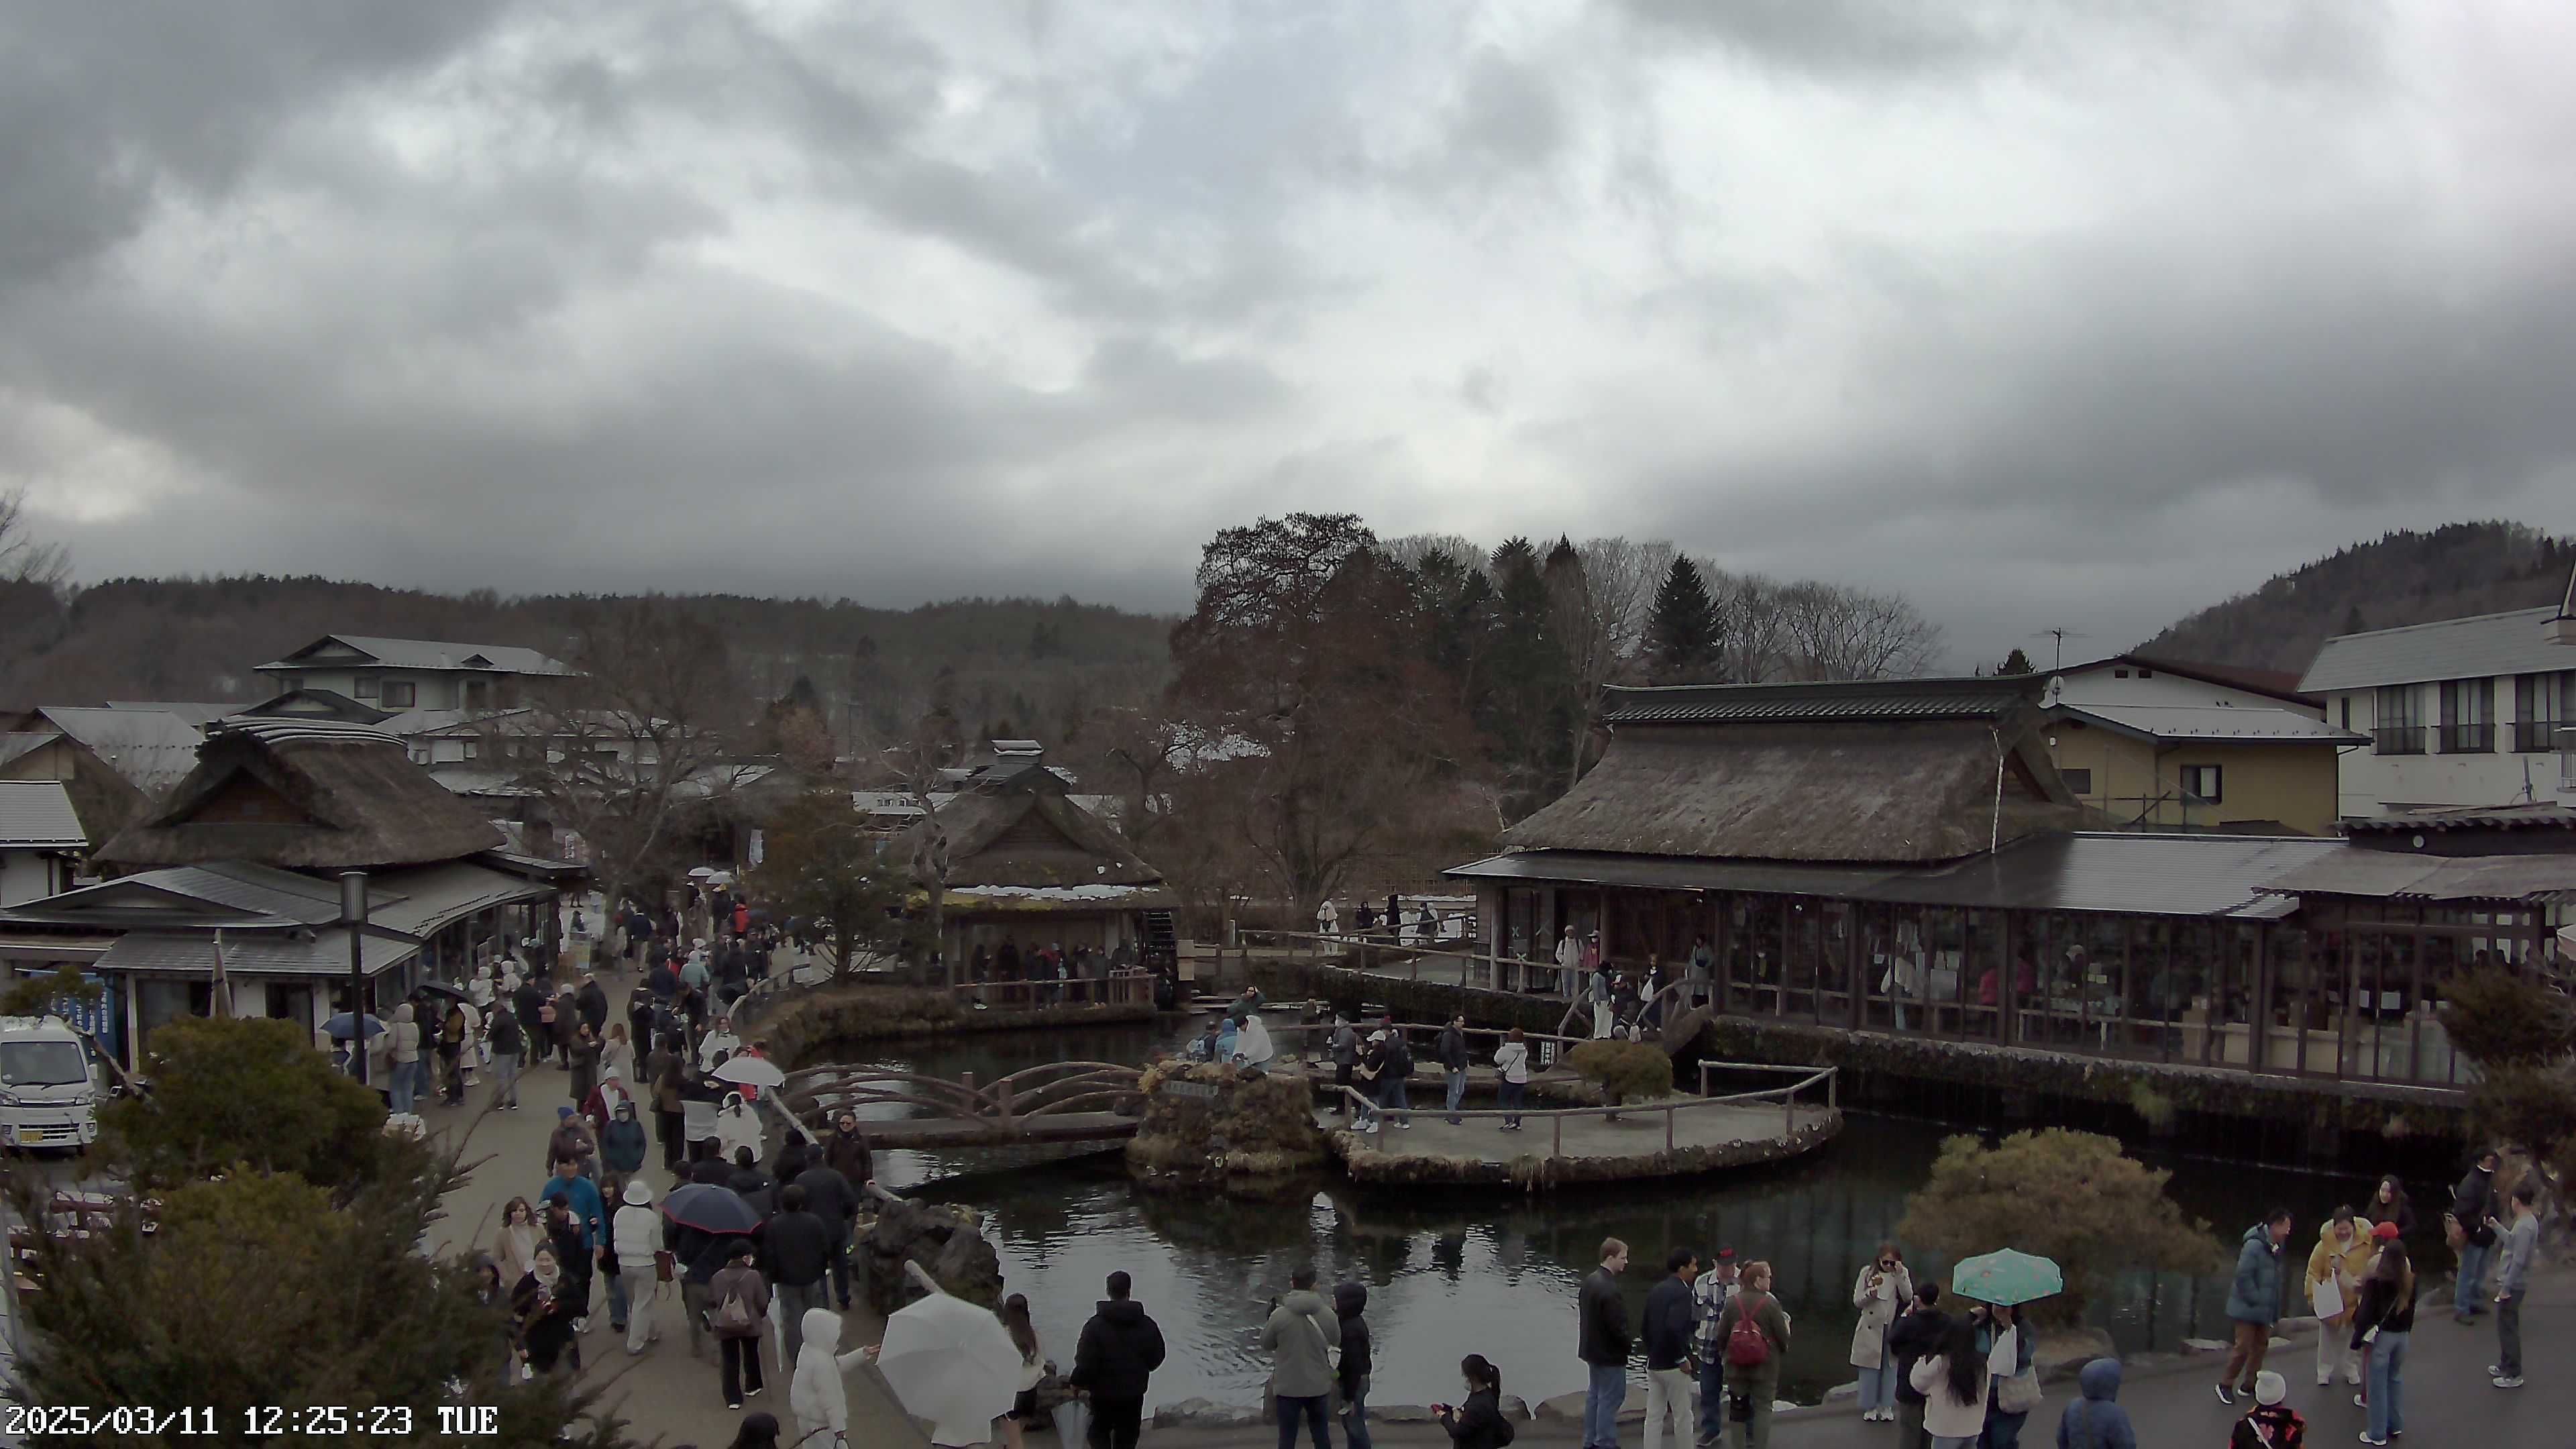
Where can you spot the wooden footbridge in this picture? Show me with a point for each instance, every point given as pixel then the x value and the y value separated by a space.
pixel 1057 1102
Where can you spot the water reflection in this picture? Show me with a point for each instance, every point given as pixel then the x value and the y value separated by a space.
pixel 1496 1272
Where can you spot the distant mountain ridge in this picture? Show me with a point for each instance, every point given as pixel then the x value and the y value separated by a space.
pixel 1030 664
pixel 2405 577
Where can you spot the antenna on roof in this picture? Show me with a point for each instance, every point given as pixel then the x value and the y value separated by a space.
pixel 2061 636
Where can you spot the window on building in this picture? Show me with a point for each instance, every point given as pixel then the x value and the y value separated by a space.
pixel 473 749
pixel 2078 782
pixel 2468 716
pixel 2119 674
pixel 363 687
pixel 2397 720
pixel 2542 703
pixel 478 694
pixel 399 694
pixel 2343 705
pixel 2202 781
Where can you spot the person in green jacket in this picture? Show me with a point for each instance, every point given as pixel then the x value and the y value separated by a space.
pixel 1752 1386
pixel 1299 1337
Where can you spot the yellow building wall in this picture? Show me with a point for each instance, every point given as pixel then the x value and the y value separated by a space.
pixel 2294 784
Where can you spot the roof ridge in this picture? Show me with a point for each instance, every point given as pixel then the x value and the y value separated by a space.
pixel 2549 609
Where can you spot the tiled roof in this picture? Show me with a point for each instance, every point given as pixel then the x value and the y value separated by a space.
pixel 2472 648
pixel 2241 724
pixel 37 814
pixel 2352 870
pixel 152 749
pixel 433 654
pixel 1873 699
pixel 2466 817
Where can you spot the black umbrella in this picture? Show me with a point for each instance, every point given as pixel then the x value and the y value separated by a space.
pixel 710 1209
pixel 338 1027
pixel 441 988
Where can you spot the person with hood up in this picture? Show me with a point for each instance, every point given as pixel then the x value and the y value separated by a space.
pixel 564 1024
pixel 736 1128
pixel 1252 1046
pixel 1226 1038
pixel 815 1393
pixel 621 1141
pixel 1451 1052
pixel 1299 1338
pixel 719 1038
pixel 2253 1303
pixel 2271 1423
pixel 636 1235
pixel 571 1139
pixel 402 1085
pixel 2096 1421
pixel 2473 1207
pixel 1350 1304
pixel 739 1306
pixel 2341 1257
pixel 1114 1363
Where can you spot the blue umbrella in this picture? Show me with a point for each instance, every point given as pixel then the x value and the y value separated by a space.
pixel 338 1027
pixel 2006 1277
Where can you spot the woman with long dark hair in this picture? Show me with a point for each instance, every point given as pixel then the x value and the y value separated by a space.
pixel 1024 1337
pixel 2381 1327
pixel 1952 1381
pixel 1479 1422
pixel 545 1311
pixel 2389 1204
pixel 515 1246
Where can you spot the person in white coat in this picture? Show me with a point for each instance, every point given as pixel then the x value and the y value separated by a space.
pixel 736 1127
pixel 1569 957
pixel 816 1395
pixel 1252 1046
pixel 1328 921
pixel 1952 1381
pixel 1882 1291
pixel 719 1038
pixel 637 1230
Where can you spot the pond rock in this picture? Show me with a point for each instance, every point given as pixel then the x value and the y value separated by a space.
pixel 1244 1133
pixel 1207 1414
pixel 943 1240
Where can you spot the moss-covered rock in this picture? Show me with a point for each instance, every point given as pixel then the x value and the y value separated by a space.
pixel 802 1027
pixel 1244 1133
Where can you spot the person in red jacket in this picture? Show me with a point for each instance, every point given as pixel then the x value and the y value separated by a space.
pixel 2271 1423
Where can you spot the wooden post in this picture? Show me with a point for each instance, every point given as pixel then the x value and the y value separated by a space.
pixel 1668 1129
pixel 1556 1125
pixel 1002 1099
pixel 1833 1089
pixel 1789 1110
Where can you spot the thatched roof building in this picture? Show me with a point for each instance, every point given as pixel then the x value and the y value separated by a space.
pixel 1882 771
pixel 304 795
pixel 1028 865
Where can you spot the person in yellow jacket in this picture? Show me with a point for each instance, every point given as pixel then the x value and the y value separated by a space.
pixel 2342 1255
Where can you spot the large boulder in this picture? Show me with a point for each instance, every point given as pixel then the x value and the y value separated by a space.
pixel 1247 1133
pixel 943 1240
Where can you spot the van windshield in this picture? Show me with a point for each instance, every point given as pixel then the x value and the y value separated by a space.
pixel 42 1063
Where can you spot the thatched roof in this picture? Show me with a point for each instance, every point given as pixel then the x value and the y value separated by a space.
pixel 1872 789
pixel 1035 837
pixel 305 795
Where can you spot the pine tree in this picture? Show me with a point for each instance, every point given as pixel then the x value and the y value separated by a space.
pixel 2352 622
pixel 1681 632
pixel 2014 663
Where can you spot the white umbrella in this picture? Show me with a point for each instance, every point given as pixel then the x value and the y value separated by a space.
pixel 752 1071
pixel 702 872
pixel 951 1362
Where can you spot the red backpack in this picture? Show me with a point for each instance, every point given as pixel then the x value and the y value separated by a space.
pixel 1746 1345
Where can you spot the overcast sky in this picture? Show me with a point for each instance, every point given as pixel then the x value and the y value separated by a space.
pixel 2048 314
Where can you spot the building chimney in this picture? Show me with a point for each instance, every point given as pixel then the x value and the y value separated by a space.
pixel 2562 628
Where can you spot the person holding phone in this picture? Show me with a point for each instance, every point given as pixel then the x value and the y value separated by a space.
pixel 1479 1422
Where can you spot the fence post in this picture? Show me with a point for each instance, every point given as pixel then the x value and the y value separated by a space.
pixel 1668 1129
pixel 1556 1125
pixel 1002 1099
pixel 1789 1111
pixel 1833 1089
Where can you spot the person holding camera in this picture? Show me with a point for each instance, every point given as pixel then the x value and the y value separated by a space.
pixel 1479 1422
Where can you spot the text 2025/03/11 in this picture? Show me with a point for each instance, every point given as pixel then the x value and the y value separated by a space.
pixel 39 1422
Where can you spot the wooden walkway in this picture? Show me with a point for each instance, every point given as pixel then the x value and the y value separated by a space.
pixel 932 1133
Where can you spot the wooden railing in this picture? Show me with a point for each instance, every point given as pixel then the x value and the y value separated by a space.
pixel 1384 958
pixel 1051 1089
pixel 1669 1108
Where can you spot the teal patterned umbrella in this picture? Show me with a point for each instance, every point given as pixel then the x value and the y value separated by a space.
pixel 2007 1278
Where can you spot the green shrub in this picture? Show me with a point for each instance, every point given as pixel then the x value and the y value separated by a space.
pixel 1626 1071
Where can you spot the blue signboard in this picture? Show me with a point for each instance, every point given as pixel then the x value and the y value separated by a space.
pixel 102 1018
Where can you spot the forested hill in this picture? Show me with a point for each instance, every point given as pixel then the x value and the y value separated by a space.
pixel 2407 577
pixel 1018 662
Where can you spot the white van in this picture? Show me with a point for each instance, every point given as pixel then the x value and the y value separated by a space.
pixel 48 1089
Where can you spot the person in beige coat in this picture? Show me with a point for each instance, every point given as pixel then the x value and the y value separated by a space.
pixel 1882 1291
pixel 2342 1255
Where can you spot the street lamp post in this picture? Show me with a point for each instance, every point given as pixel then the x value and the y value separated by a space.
pixel 353 919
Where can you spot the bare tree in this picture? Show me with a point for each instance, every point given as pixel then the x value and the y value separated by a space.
pixel 1750 620
pixel 1838 632
pixel 1410 550
pixel 1599 595
pixel 24 558
pixel 640 737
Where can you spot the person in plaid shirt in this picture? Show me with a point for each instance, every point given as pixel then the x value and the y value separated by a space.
pixel 1709 1293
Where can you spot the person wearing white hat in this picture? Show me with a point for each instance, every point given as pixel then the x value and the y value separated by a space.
pixel 2271 1423
pixel 637 1231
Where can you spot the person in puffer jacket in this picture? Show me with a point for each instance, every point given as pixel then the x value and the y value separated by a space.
pixel 816 1395
pixel 2096 1421
pixel 637 1232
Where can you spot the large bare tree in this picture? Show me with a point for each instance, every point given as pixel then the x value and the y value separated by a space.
pixel 1838 632
pixel 25 558
pixel 1599 594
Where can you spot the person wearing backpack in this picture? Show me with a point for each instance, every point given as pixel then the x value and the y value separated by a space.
pixel 740 1312
pixel 1753 1333
pixel 1479 1423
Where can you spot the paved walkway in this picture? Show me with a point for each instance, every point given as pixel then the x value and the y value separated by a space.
pixel 664 1394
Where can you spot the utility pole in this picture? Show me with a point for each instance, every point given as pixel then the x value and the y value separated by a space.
pixel 353 919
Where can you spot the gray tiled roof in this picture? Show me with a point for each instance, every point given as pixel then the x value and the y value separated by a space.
pixel 37 814
pixel 1874 699
pixel 2472 648
pixel 434 654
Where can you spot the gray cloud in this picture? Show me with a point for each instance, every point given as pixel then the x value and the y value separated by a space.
pixel 2052 316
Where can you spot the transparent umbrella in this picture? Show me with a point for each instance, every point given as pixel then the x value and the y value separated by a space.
pixel 951 1362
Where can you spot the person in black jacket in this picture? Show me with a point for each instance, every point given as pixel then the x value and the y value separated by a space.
pixel 830 1197
pixel 1667 1334
pixel 795 1256
pixel 707 1164
pixel 592 1002
pixel 529 1004
pixel 1451 1050
pixel 1350 1301
pixel 1479 1422
pixel 1911 1337
pixel 1602 1342
pixel 1113 1363
pixel 751 1184
pixel 2382 1323
pixel 2475 1204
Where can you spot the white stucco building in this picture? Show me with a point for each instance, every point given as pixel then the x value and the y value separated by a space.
pixel 2476 711
pixel 394 675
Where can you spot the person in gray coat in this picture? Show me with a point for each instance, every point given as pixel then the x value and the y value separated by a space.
pixel 1299 1337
